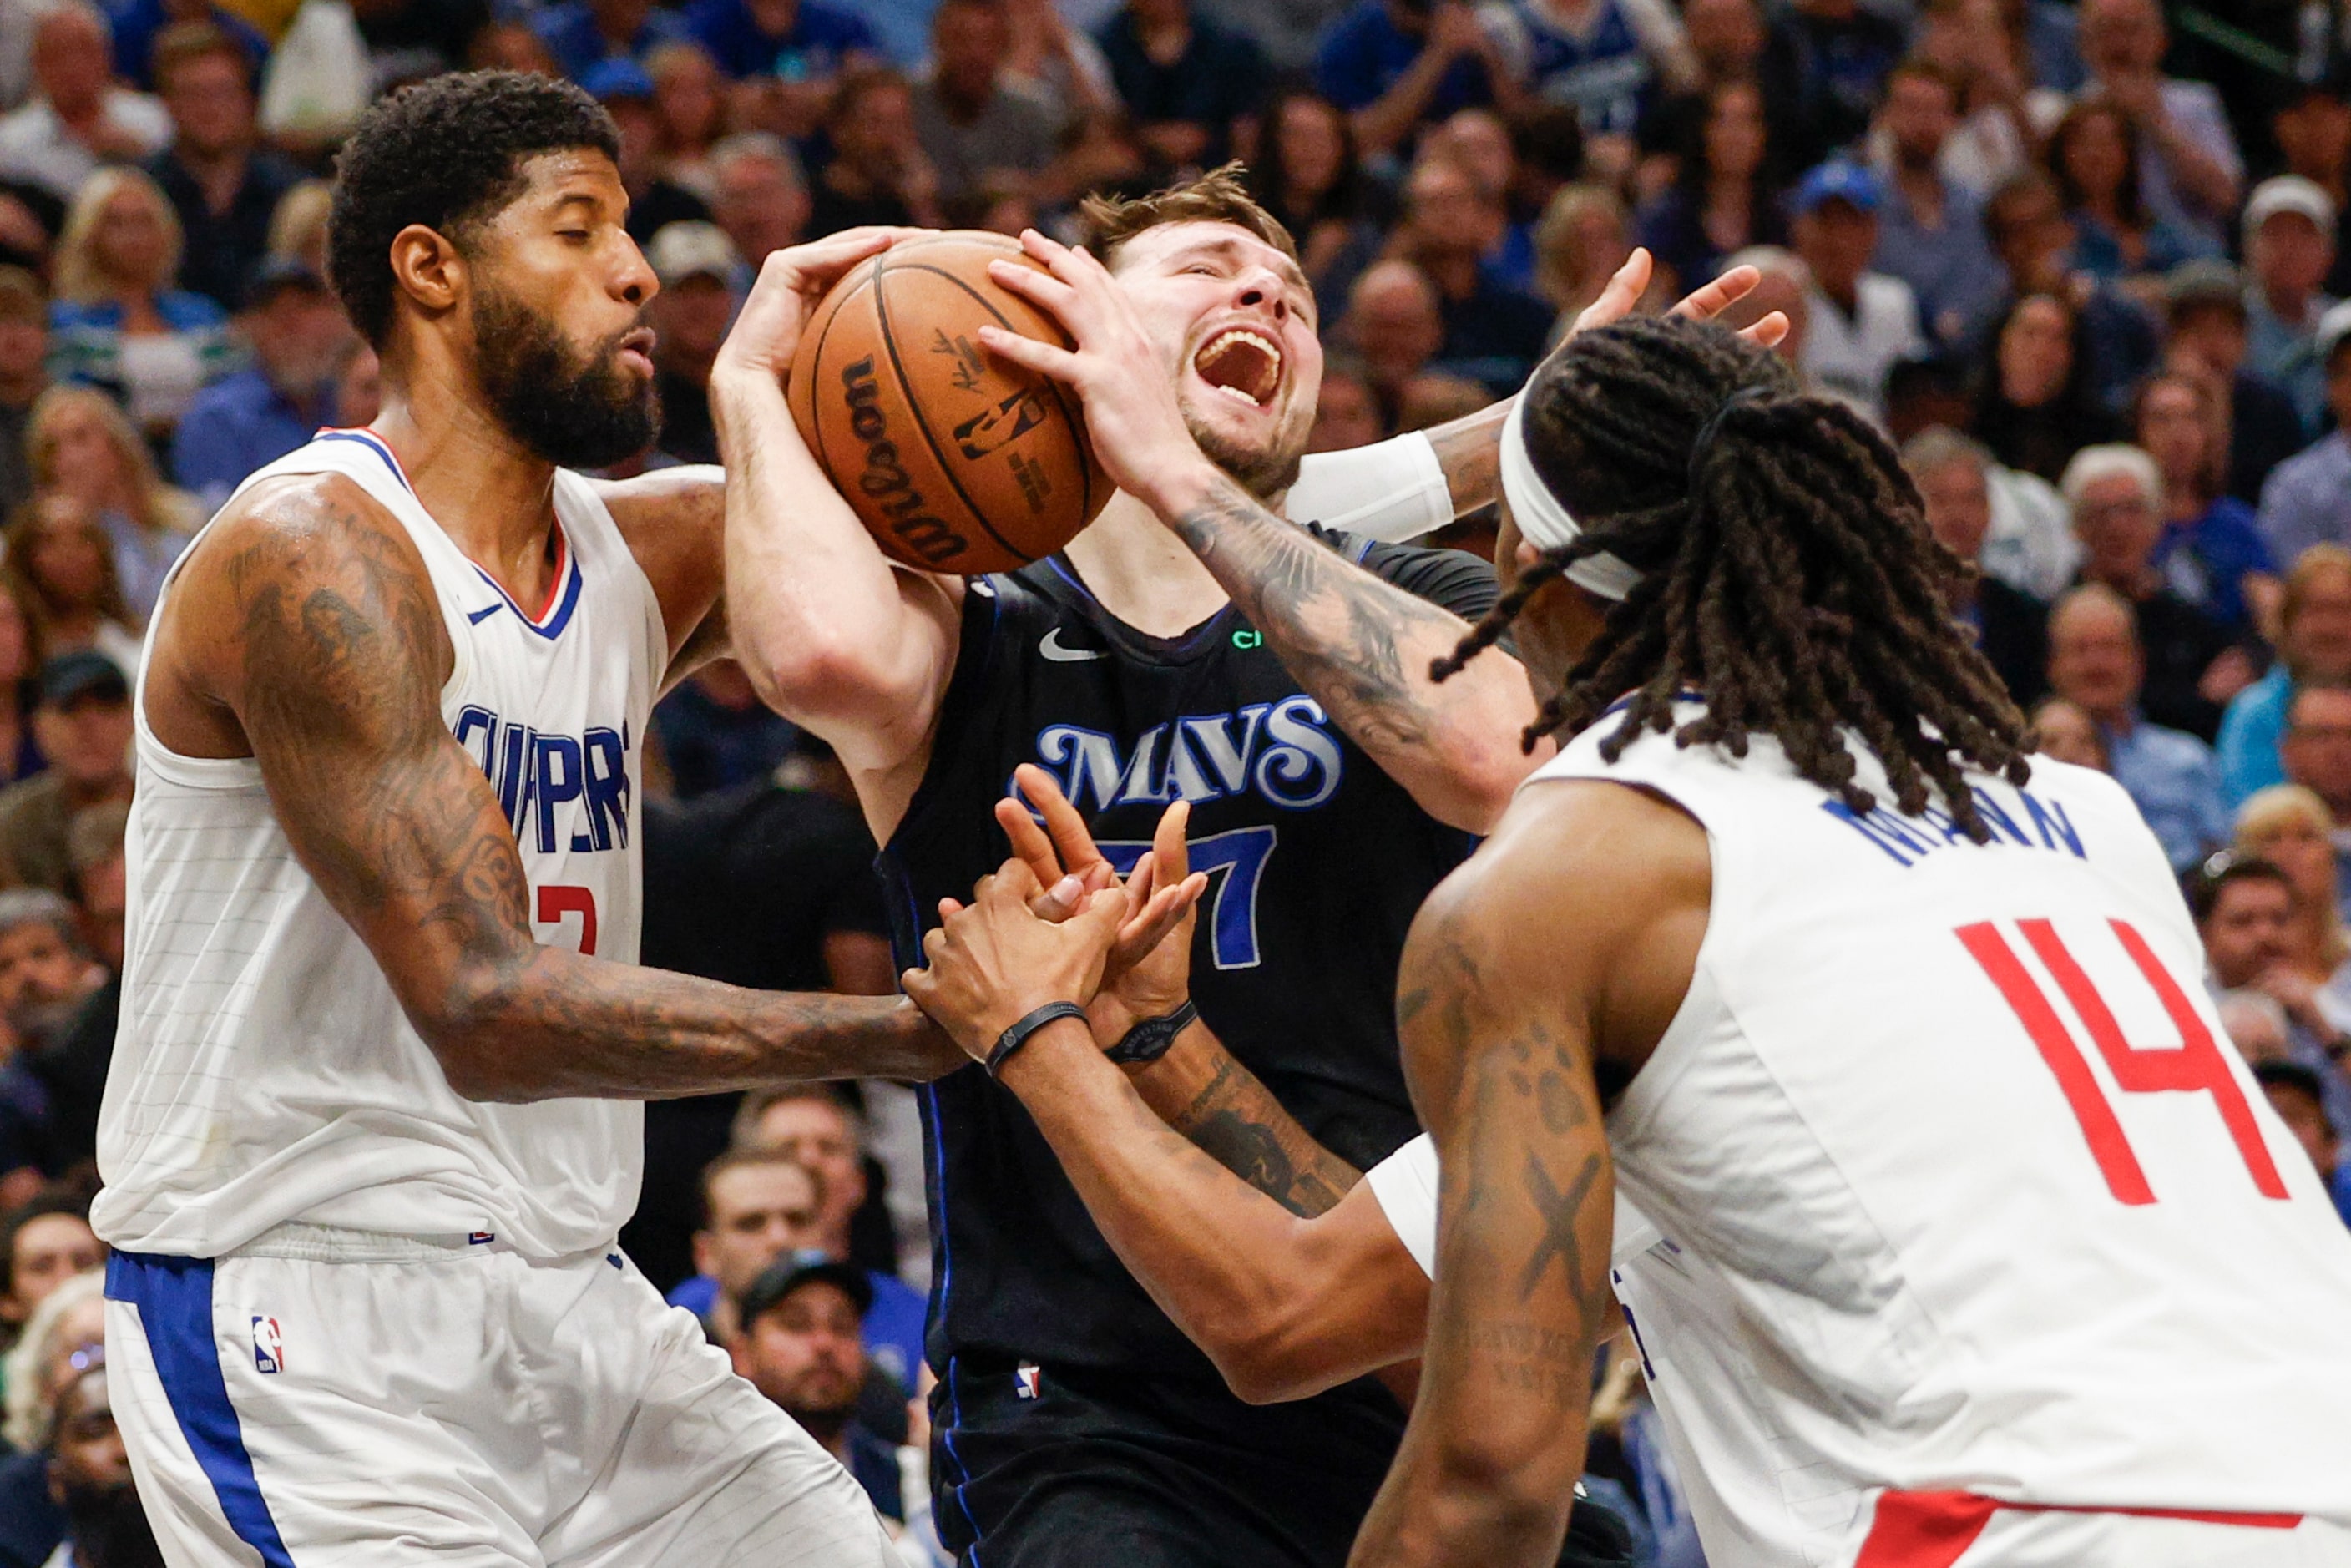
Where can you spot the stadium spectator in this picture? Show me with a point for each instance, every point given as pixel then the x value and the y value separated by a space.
pixel 2096 663
pixel 2312 127
pixel 504 46
pixel 2207 325
pixel 880 172
pixel 2192 665
pixel 138 29
pixel 2308 500
pixel 690 110
pixel 2314 649
pixel 2292 828
pixel 2212 553
pixel 1396 325
pixel 2025 220
pixel 2255 1025
pixel 1953 474
pixel 1493 334
pixel 2316 748
pixel 407 40
pixel 69 1327
pixel 84 449
pixel 715 734
pixel 2037 404
pixel 974 130
pixel 1979 43
pixel 790 51
pixel 2094 155
pixel 1859 324
pixel 625 90
pixel 1930 229
pixel 1725 195
pixel 301 340
pixel 1396 64
pixel 2289 236
pixel 2067 734
pixel 761 198
pixel 1347 414
pixel 79 117
pixel 115 322
pixel 801 1346
pixel 689 317
pixel 43 1244
pixel 1185 78
pixel 62 555
pixel 1306 174
pixel 758 1205
pixel 2189 170
pixel 580 34
pixel 1583 236
pixel 83 725
pixel 1844 49
pixel 20 657
pixel 72 1061
pixel 1607 60
pixel 2295 1093
pixel 89 1477
pixel 24 376
pixel 223 186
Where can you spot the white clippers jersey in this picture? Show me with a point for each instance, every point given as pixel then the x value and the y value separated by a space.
pixel 1966 1189
pixel 264 1071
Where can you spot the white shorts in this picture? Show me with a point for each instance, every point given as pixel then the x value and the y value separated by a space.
pixel 326 1397
pixel 1960 1529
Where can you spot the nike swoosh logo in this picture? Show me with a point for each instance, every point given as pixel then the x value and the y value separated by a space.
pixel 1051 646
pixel 475 617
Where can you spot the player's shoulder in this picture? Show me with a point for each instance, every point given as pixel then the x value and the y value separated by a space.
pixel 692 496
pixel 1585 851
pixel 289 527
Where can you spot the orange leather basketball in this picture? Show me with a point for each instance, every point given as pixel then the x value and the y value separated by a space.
pixel 956 460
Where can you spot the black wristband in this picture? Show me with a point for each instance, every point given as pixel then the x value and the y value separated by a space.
pixel 1013 1039
pixel 1149 1040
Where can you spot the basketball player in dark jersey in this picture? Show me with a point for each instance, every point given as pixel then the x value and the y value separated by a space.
pixel 1277 684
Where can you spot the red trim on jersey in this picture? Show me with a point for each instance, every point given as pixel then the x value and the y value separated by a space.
pixel 555 578
pixel 1935 1529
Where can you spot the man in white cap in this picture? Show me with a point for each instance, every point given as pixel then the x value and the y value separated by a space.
pixel 697 264
pixel 2289 248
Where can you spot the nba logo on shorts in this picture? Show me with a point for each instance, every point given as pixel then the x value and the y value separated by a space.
pixel 1024 1379
pixel 268 1346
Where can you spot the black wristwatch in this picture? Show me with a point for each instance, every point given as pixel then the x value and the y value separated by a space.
pixel 1149 1040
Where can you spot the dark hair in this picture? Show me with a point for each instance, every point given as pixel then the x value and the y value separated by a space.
pixel 446 152
pixel 1786 571
pixel 1697 170
pixel 2303 1081
pixel 2041 439
pixel 1218 196
pixel 41 1206
pixel 2129 199
pixel 2223 869
pixel 1270 181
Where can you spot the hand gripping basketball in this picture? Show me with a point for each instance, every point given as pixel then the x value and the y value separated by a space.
pixel 767 331
pixel 1132 415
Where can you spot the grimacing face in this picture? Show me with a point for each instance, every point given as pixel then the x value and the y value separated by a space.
pixel 1233 320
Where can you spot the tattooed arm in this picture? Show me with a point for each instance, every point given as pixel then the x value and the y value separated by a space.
pixel 304 632
pixel 1570 937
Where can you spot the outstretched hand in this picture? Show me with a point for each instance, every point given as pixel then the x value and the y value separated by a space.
pixel 767 331
pixel 1702 304
pixel 1150 968
pixel 992 962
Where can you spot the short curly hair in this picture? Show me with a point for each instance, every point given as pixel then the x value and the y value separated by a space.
pixel 446 152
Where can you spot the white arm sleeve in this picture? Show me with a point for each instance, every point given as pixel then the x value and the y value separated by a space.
pixel 1405 1185
pixel 1392 490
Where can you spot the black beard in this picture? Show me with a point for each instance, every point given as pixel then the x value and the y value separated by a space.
pixel 109 1529
pixel 574 413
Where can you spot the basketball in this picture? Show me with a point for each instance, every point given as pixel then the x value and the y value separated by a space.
pixel 956 460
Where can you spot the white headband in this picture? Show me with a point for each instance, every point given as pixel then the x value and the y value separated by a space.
pixel 1543 522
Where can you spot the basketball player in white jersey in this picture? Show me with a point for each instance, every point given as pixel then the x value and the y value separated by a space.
pixel 1976 1245
pixel 371 1125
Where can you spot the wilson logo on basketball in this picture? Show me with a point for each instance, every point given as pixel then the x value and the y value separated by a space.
pixel 885 476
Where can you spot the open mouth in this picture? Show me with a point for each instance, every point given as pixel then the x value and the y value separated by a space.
pixel 1243 365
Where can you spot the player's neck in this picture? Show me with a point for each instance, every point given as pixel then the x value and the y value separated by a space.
pixel 1143 574
pixel 491 496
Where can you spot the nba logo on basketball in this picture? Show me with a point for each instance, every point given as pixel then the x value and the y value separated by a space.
pixel 268 1346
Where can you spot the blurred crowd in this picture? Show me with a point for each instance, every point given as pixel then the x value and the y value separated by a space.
pixel 2085 264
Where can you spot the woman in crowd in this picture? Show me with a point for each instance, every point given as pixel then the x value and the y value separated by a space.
pixel 60 549
pixel 2034 404
pixel 1582 239
pixel 2212 553
pixel 81 445
pixel 116 320
pixel 689 114
pixel 2067 734
pixel 2291 827
pixel 1309 177
pixel 69 1322
pixel 298 229
pixel 1725 197
pixel 21 651
pixel 2094 155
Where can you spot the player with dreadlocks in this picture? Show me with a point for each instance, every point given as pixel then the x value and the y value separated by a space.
pixel 1767 956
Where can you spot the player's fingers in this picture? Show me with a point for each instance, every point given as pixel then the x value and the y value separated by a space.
pixel 1621 292
pixel 1101 917
pixel 1029 840
pixel 1039 288
pixel 1045 359
pixel 1770 331
pixel 1719 295
pixel 1167 844
pixel 1063 820
pixel 1141 877
pixel 950 908
pixel 820 264
pixel 1058 902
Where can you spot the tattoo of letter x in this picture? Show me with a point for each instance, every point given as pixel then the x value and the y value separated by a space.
pixel 1559 1211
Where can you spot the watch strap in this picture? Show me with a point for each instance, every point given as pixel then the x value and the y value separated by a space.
pixel 1148 1040
pixel 1013 1039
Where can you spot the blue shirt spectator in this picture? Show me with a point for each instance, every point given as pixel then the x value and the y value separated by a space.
pixel 136 25
pixel 2175 781
pixel 795 39
pixel 2206 560
pixel 1366 52
pixel 2250 732
pixel 1216 78
pixel 715 732
pixel 2308 500
pixel 580 33
pixel 1939 250
pixel 893 1325
pixel 236 426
